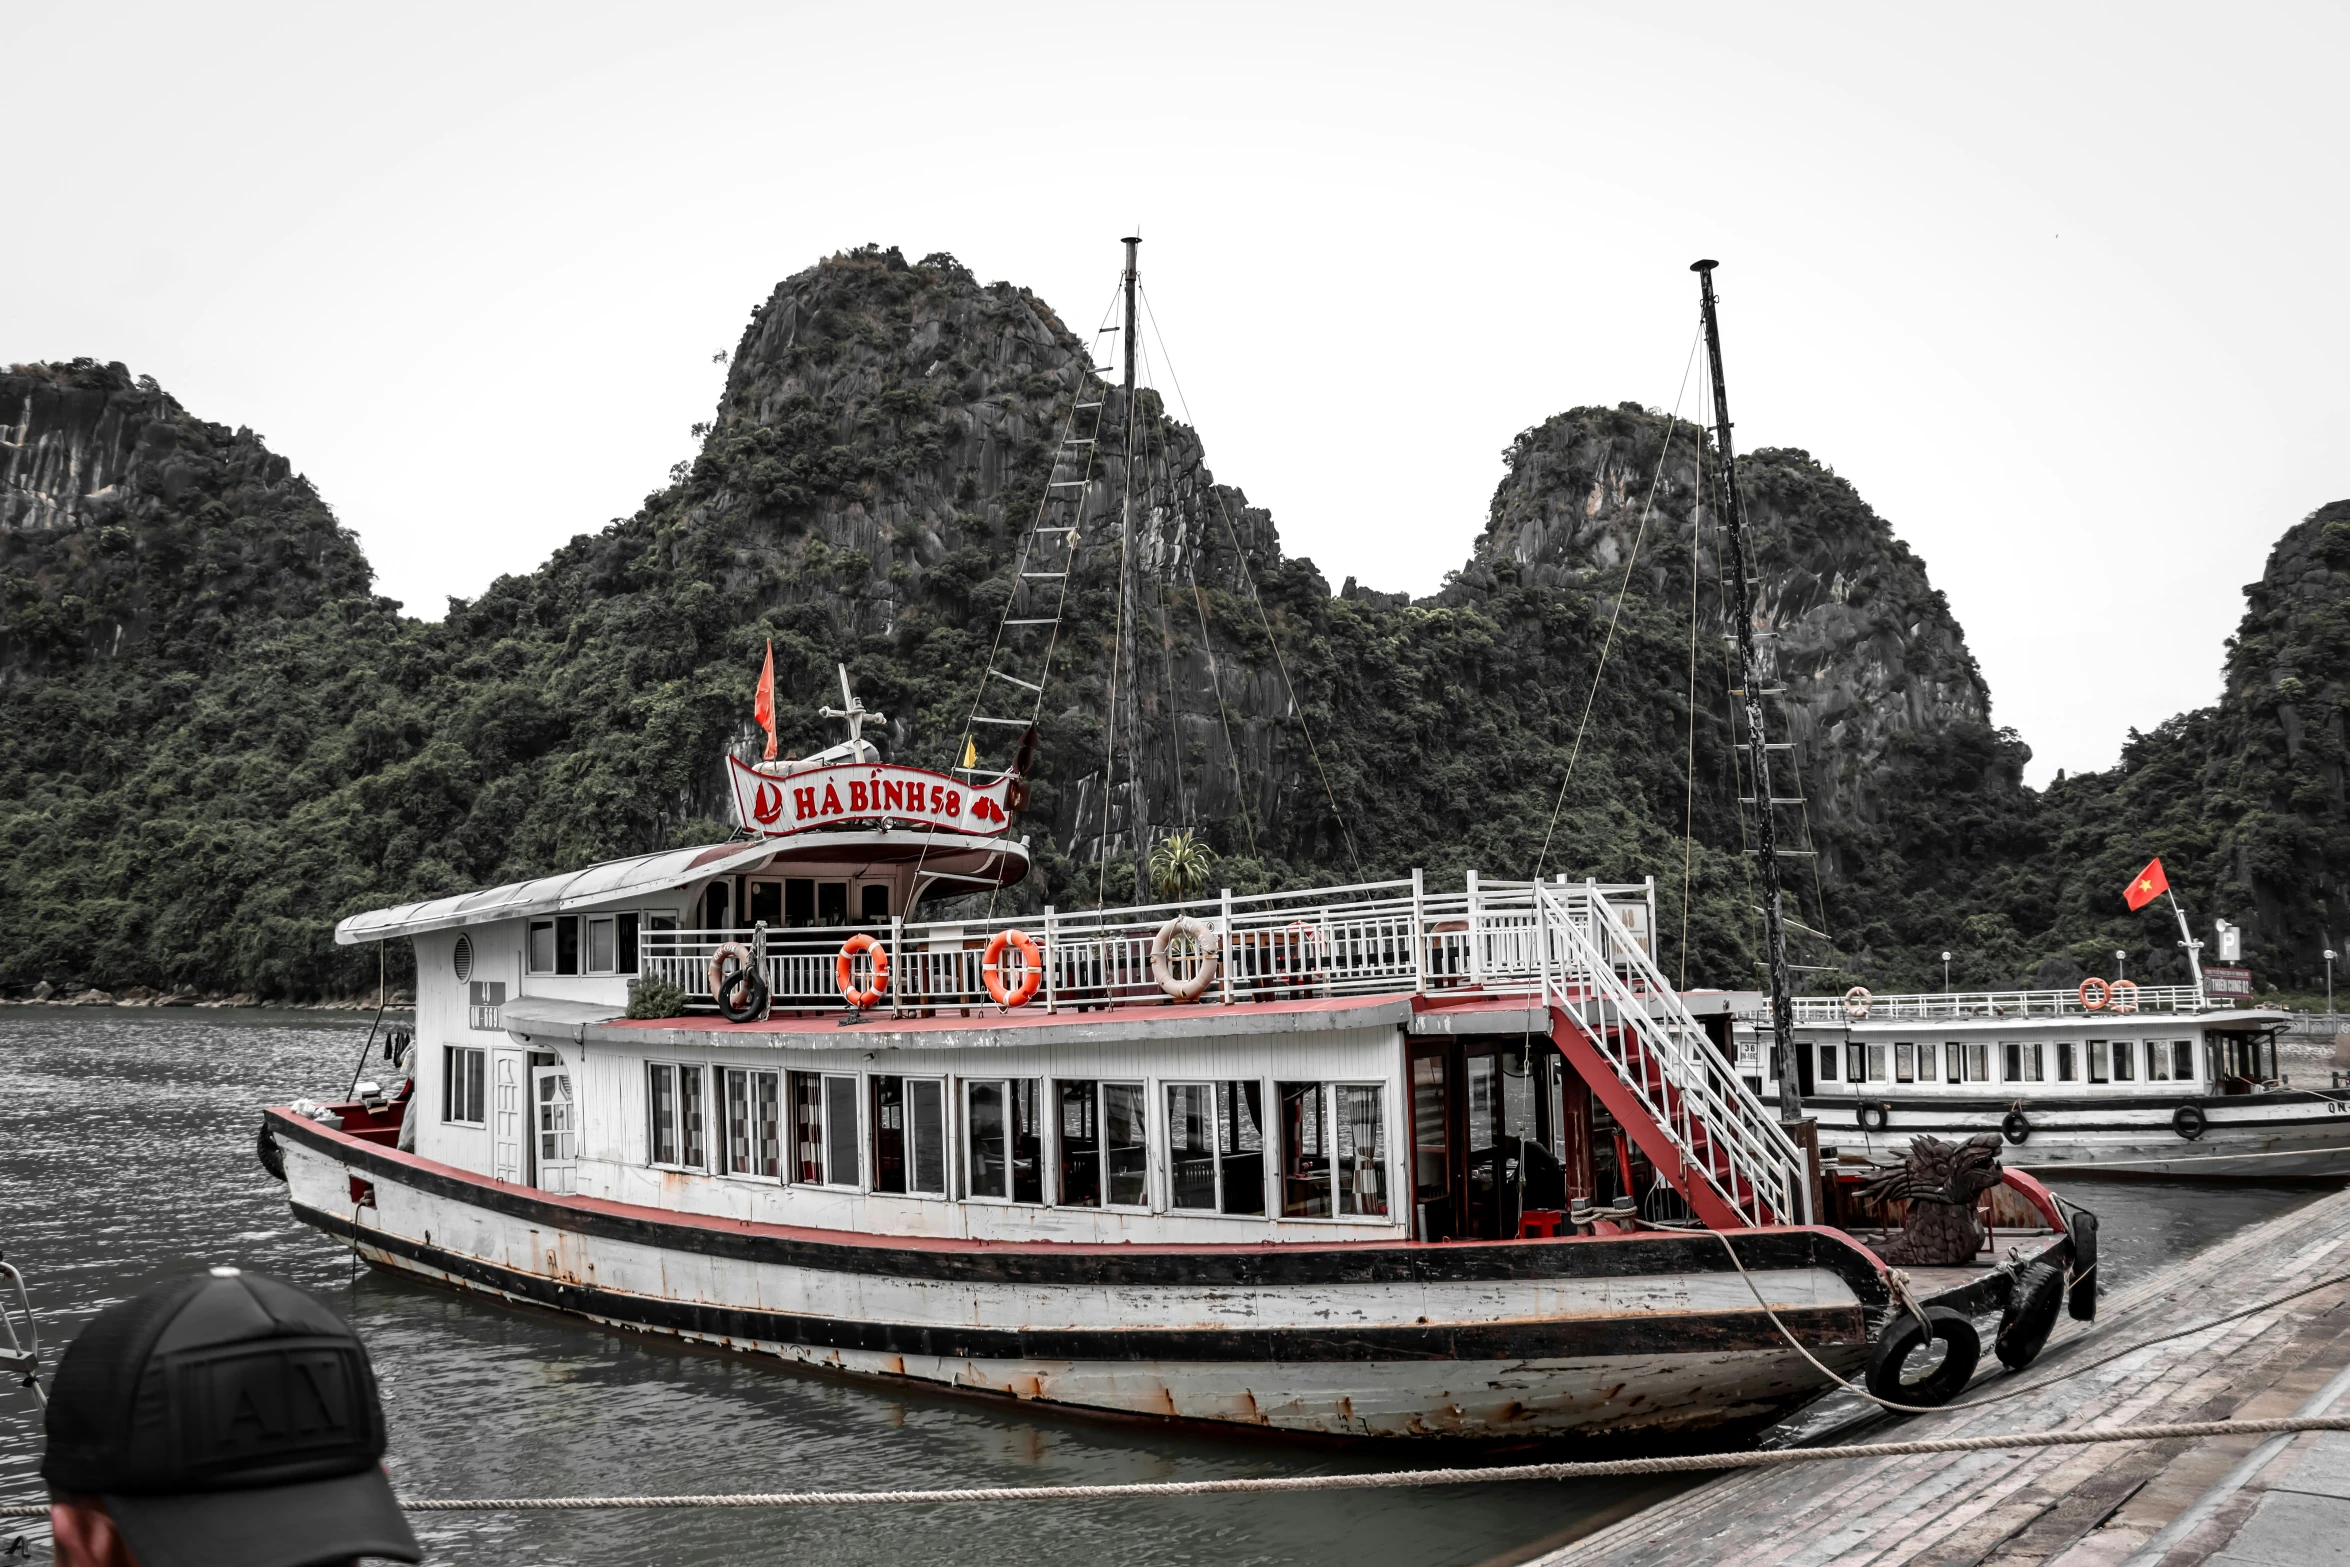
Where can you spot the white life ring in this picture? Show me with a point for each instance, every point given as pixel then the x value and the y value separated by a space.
pixel 1206 938
pixel 1856 1003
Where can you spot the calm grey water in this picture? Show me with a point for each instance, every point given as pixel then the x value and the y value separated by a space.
pixel 126 1155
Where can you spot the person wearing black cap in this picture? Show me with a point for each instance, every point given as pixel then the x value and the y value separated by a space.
pixel 221 1420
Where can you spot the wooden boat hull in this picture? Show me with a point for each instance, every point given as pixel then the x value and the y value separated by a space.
pixel 1651 1333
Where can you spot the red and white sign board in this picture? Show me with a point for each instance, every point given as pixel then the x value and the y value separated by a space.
pixel 2233 983
pixel 865 792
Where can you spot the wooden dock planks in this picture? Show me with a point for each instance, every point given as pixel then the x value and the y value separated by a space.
pixel 2076 1507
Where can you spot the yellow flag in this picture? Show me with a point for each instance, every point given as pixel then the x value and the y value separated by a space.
pixel 970 752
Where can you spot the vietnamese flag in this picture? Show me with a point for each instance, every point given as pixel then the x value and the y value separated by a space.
pixel 764 709
pixel 2146 886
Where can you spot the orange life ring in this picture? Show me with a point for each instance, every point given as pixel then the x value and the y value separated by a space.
pixel 991 969
pixel 2125 995
pixel 844 970
pixel 2104 993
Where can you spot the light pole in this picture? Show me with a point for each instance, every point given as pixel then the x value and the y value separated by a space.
pixel 1946 973
pixel 2330 956
pixel 2121 964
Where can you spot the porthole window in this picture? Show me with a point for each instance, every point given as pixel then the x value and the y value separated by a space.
pixel 464 957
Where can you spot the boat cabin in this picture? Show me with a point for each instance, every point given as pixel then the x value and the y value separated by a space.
pixel 1351 1073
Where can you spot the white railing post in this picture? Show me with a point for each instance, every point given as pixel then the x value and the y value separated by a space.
pixel 1229 946
pixel 1419 933
pixel 1476 939
pixel 1542 949
pixel 1052 962
pixel 897 965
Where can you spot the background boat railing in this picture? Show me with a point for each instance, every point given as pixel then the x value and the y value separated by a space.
pixel 1958 1006
pixel 1373 938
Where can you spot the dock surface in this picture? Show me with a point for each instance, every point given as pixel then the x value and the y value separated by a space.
pixel 2097 1506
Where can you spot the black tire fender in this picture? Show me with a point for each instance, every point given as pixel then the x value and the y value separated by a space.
pixel 265 1148
pixel 2081 1296
pixel 748 984
pixel 2031 1313
pixel 1903 1336
pixel 2189 1121
pixel 2015 1126
pixel 1875 1116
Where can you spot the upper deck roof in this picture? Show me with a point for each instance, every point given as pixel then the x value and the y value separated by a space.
pixel 546 894
pixel 985 863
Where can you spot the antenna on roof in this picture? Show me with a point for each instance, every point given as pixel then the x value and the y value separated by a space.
pixel 853 709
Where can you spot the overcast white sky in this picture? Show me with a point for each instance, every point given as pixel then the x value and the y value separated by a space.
pixel 2056 288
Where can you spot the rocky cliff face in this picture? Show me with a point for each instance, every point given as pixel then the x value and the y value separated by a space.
pixel 1866 648
pixel 123 518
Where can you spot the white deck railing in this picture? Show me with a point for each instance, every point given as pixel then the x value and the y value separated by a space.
pixel 1964 1004
pixel 1375 938
pixel 1568 944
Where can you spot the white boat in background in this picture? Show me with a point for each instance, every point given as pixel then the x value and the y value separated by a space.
pixel 2115 1080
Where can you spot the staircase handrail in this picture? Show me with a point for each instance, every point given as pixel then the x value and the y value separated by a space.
pixel 1705 1088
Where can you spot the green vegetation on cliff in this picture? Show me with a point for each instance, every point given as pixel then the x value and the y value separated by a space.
pixel 214 739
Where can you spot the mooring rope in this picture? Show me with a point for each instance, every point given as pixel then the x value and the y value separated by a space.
pixel 1688 1463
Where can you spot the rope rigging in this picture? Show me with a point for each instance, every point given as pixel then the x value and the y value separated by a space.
pixel 1608 643
pixel 1248 579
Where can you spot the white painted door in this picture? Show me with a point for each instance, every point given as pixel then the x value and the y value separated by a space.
pixel 506 1116
pixel 555 1122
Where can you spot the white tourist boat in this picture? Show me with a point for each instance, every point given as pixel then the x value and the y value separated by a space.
pixel 2116 1079
pixel 1376 1159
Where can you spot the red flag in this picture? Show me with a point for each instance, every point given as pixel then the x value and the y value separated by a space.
pixel 764 709
pixel 2146 886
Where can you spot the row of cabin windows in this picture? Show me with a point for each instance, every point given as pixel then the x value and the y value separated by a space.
pixel 590 943
pixel 889 1133
pixel 2022 1061
pixel 795 902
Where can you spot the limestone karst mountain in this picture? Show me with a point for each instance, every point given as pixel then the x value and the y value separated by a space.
pixel 214 739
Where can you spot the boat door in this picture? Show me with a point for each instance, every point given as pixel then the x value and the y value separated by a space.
pixel 555 1128
pixel 508 1136
pixel 1437 1176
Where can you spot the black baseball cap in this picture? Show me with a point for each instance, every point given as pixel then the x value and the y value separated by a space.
pixel 226 1420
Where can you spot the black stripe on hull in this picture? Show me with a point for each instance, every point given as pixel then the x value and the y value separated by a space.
pixel 1636 1256
pixel 1704 1333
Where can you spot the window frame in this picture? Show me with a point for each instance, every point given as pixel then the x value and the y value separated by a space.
pixel 1055 1154
pixel 827 1126
pixel 628 927
pixel 1277 1163
pixel 908 1083
pixel 773 1126
pixel 476 1078
pixel 1220 1158
pixel 701 1070
pixel 1047 1152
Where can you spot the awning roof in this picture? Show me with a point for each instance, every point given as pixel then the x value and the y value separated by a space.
pixel 549 894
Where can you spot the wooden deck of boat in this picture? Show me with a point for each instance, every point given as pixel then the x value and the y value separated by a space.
pixel 2080 1506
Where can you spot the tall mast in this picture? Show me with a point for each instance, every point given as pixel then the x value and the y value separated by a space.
pixel 1129 612
pixel 1757 747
